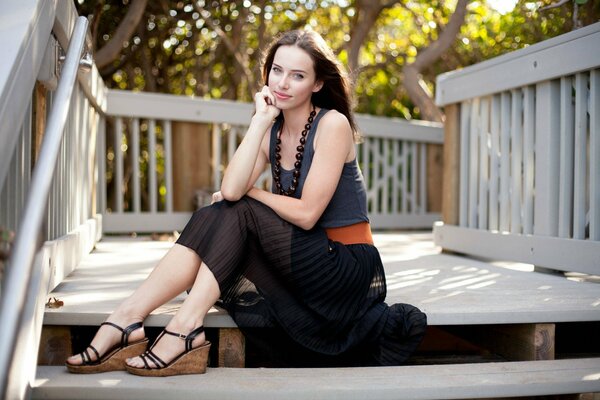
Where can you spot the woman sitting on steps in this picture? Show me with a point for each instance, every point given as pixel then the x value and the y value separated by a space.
pixel 297 262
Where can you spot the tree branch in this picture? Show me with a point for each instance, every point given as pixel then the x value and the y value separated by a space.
pixel 111 50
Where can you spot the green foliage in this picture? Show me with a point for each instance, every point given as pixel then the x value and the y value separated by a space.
pixel 211 49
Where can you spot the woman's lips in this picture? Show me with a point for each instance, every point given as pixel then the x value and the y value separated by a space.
pixel 282 96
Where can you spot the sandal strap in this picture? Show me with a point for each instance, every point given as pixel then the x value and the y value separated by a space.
pixel 189 338
pixel 155 359
pixel 95 351
pixel 124 332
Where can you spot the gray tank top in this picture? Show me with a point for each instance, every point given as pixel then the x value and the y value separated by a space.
pixel 349 202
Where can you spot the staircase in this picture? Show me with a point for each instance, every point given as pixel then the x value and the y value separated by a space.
pixel 496 330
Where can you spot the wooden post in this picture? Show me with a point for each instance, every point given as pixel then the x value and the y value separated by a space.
pixel 55 345
pixel 516 342
pixel 451 170
pixel 232 348
pixel 435 168
pixel 191 163
pixel 39 120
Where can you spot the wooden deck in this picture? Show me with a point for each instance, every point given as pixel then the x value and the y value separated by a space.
pixel 452 290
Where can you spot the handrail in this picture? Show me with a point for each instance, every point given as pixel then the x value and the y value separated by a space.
pixel 20 269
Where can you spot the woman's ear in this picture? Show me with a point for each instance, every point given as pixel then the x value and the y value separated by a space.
pixel 318 86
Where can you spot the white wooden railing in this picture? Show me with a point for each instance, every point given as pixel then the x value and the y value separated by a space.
pixel 526 128
pixel 392 158
pixel 34 35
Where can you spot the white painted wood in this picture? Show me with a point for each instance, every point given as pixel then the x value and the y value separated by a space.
pixel 395 167
pixel 181 108
pixel 136 196
pixel 463 203
pixel 528 157
pixel 152 186
pixel 494 163
pixel 145 222
pixel 376 205
pixel 505 113
pixel 414 180
pixel 404 178
pixel 118 164
pixel 595 155
pixel 422 209
pixel 516 156
pixel 414 382
pixel 535 64
pixel 546 251
pixel 232 136
pixel 473 163
pixel 385 179
pixel 168 165
pixel 547 141
pixel 101 157
pixel 565 191
pixel 484 142
pixel 402 220
pixel 217 145
pixel 580 161
pixel 25 31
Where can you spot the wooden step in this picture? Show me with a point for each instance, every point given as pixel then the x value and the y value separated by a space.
pixel 457 381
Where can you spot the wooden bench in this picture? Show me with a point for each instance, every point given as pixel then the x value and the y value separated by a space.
pixel 513 313
pixel 457 381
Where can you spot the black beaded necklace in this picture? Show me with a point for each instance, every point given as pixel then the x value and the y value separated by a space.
pixel 297 164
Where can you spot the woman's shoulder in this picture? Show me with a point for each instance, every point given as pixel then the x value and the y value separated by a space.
pixel 335 121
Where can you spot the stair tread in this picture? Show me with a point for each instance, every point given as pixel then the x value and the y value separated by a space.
pixel 528 378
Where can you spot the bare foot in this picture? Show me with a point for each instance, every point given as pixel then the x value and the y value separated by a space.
pixel 168 347
pixel 107 337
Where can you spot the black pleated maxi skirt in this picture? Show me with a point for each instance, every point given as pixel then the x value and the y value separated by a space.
pixel 300 298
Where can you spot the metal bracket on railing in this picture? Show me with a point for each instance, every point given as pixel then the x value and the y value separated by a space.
pixel 85 63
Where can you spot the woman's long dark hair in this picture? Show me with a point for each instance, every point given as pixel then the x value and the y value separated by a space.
pixel 335 93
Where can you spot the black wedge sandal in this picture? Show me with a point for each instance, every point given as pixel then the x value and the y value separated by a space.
pixel 191 361
pixel 113 359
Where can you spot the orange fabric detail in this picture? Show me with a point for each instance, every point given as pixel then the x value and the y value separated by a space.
pixel 351 234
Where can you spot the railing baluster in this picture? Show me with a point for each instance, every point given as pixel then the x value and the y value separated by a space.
pixel 528 158
pixel 376 175
pixel 580 162
pixel 494 163
pixel 423 178
pixel 385 180
pixel 516 161
pixel 394 175
pixel 217 144
pixel 168 165
pixel 134 148
pixel 547 142
pixel 594 112
pixel 231 142
pixel 465 111
pixel 152 187
pixel 118 163
pixel 414 182
pixel 505 113
pixel 101 154
pixel 404 174
pixel 484 163
pixel 565 192
pixel 473 164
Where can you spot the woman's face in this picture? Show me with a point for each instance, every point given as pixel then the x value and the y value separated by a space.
pixel 292 77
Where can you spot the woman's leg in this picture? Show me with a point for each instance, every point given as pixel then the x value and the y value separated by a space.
pixel 204 294
pixel 175 272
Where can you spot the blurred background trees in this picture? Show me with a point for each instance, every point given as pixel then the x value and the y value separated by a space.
pixel 394 49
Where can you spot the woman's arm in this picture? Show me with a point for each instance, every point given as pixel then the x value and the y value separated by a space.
pixel 248 158
pixel 333 146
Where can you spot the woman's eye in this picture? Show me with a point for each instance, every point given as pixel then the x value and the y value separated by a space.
pixel 275 69
pixel 298 76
